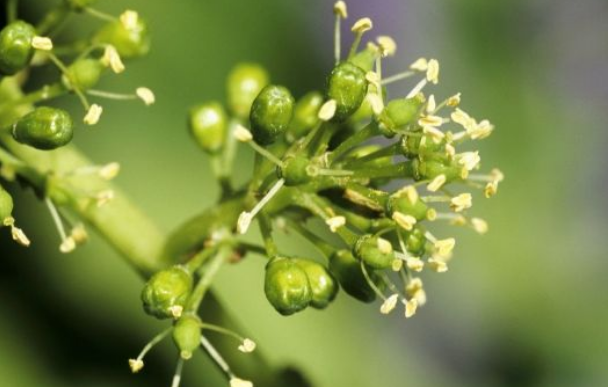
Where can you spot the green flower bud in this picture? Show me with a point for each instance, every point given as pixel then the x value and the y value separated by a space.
pixel 129 42
pixel 271 114
pixel 294 171
pixel 374 251
pixel 166 293
pixel 208 125
pixel 431 169
pixel 286 286
pixel 6 205
pixel 79 5
pixel 403 204
pixel 245 82
pixel 44 128
pixel 324 287
pixel 347 270
pixel 83 74
pixel 415 242
pixel 305 115
pixel 413 146
pixel 347 86
pixel 187 335
pixel 16 49
pixel 400 112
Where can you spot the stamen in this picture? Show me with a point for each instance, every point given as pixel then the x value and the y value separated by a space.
pixel 112 59
pixel 177 376
pixel 137 364
pixel 461 202
pixel 145 95
pixel 479 225
pixel 410 307
pixel 216 357
pixel 397 77
pixel 421 64
pixel 407 222
pixel 359 28
pixel 432 72
pixel 341 13
pixel 245 218
pixel 129 19
pixel 389 304
pixel 417 89
pixel 67 244
pixel 93 114
pixel 335 222
pixel 436 183
pixel 42 43
pixel 388 47
pixel 328 110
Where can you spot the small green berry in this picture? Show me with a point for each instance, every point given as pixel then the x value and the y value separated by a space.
pixel 294 171
pixel 348 87
pixel 6 205
pixel 245 82
pixel 374 251
pixel 323 285
pixel 166 293
pixel 271 114
pixel 79 5
pixel 400 112
pixel 83 74
pixel 187 335
pixel 208 125
pixel 132 42
pixel 286 286
pixel 305 115
pixel 44 128
pixel 16 49
pixel 348 272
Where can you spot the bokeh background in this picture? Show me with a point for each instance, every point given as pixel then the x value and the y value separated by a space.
pixel 525 305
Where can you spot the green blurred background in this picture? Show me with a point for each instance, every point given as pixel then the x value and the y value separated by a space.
pixel 524 305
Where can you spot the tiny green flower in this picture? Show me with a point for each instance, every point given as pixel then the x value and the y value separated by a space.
pixel 166 293
pixel 287 286
pixel 245 82
pixel 187 335
pixel 346 85
pixel 208 125
pixel 83 74
pixel 16 50
pixel 323 285
pixel 131 39
pixel 374 251
pixel 271 114
pixel 44 128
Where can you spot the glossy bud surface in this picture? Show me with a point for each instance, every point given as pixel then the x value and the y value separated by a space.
pixel 245 82
pixel 286 286
pixel 165 290
pixel 44 128
pixel 187 335
pixel 271 114
pixel 347 86
pixel 323 285
pixel 208 125
pixel 16 49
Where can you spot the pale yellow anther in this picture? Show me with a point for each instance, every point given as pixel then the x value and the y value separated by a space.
pixel 388 47
pixel 411 194
pixel 397 264
pixel 432 72
pixel 417 89
pixel 340 9
pixel 104 197
pixel 415 264
pixel 68 245
pixel 479 225
pixel 42 43
pixel 376 103
pixel 454 100
pixel 247 346
pixel 460 117
pixel 421 64
pixel 407 222
pixel 129 19
pixel 389 304
pixel 79 234
pixel 109 171
pixel 410 307
pixel 373 78
pixel 431 105
pixel 145 95
pixel 244 221
pixel 112 60
pixel 328 110
pixel 335 222
pixel 450 150
pixel 176 311
pixel 497 175
pixel 491 189
pixel 431 214
pixel 436 183
pixel 481 130
pixel 362 25
pixel 242 134
pixel 461 202
pixel 459 220
pixel 433 121
pixel 93 114
pixel 384 246
pixel 438 265
pixel 236 382
pixel 415 290
pixel 19 236
pixel 136 365
pixel 444 247
pixel 469 160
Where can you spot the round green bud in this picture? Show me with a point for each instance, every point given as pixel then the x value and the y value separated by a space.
pixel 6 205
pixel 208 125
pixel 322 283
pixel 131 42
pixel 83 74
pixel 374 251
pixel 415 242
pixel 286 286
pixel 294 170
pixel 400 112
pixel 402 203
pixel 348 87
pixel 305 115
pixel 166 293
pixel 44 128
pixel 245 82
pixel 79 5
pixel 187 335
pixel 16 49
pixel 348 272
pixel 271 114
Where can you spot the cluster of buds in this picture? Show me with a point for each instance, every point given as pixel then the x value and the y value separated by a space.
pixel 81 65
pixel 377 171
